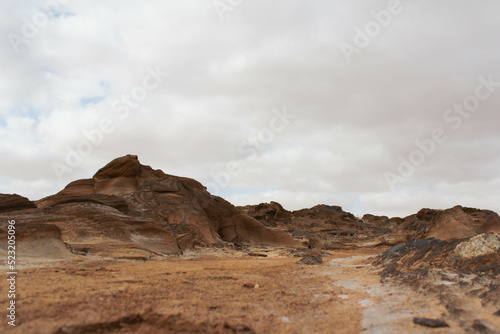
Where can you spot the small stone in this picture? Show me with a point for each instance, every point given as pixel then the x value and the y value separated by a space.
pixel 257 254
pixel 286 320
pixel 433 323
pixel 479 326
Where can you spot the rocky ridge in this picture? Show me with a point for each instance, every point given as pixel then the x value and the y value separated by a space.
pixel 129 211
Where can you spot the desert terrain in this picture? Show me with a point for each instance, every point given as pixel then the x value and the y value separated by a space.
pixel 135 250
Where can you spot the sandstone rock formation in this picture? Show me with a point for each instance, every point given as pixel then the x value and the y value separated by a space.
pixel 41 241
pixel 129 210
pixel 269 214
pixel 9 203
pixel 454 223
pixel 330 227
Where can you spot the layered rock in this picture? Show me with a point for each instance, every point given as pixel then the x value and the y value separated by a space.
pixel 476 255
pixel 453 271
pixel 131 210
pixel 269 214
pixel 9 203
pixel 454 223
pixel 329 227
pixel 37 241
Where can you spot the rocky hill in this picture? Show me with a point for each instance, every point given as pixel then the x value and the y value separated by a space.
pixel 129 210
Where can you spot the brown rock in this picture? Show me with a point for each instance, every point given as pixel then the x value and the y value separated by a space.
pixel 9 203
pixel 376 220
pixel 451 224
pixel 459 222
pixel 131 210
pixel 269 214
pixel 36 241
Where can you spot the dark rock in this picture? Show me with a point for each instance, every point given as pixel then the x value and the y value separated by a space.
pixel 335 245
pixel 312 257
pixel 307 239
pixel 479 326
pixel 323 211
pixel 257 254
pixel 237 329
pixel 421 254
pixel 433 323
pixel 269 214
pixel 9 203
pixel 302 234
pixel 427 214
pixel 416 247
pixel 375 220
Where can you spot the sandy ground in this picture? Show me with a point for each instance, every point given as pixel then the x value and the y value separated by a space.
pixel 215 291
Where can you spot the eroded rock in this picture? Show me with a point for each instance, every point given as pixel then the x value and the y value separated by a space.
pixel 131 210
pixel 9 203
pixel 478 245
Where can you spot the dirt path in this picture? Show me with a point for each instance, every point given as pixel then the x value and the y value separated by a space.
pixel 388 308
pixel 215 293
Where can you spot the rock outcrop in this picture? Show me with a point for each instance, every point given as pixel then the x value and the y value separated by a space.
pixel 454 223
pixel 451 271
pixel 330 227
pixel 129 210
pixel 482 244
pixel 9 203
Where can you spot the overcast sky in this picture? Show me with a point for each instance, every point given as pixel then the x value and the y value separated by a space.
pixel 300 102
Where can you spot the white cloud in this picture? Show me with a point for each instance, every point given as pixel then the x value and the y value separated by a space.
pixel 353 121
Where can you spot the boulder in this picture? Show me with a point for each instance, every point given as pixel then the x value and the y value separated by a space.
pixel 478 245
